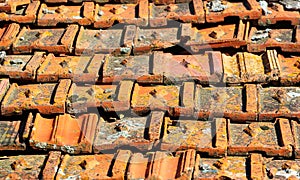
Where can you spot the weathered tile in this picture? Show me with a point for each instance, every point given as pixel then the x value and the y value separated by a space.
pixel 284 38
pixel 108 14
pixel 21 67
pixel 115 41
pixel 217 11
pixel 8 34
pixel 22 166
pixel 204 136
pixel 189 12
pixel 274 139
pixel 56 40
pixel 137 132
pixel 52 15
pixel 77 68
pixel 216 36
pixel 109 97
pixel 24 14
pixel 102 166
pixel 46 98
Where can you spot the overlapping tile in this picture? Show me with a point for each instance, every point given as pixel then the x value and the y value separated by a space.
pixel 216 36
pixel 98 166
pixel 25 14
pixel 11 6
pixel 14 133
pixel 109 14
pixel 21 67
pixel 110 97
pixel 186 12
pixel 273 139
pixel 8 34
pixel 204 136
pixel 285 38
pixel 56 40
pixel 117 40
pixel 138 132
pixel 77 68
pixel 217 11
pixel 276 12
pixel 55 132
pixel 22 166
pixel 48 98
pixel 52 15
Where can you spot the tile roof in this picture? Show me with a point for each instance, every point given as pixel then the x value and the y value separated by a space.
pixel 138 89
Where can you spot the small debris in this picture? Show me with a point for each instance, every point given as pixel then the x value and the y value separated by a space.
pixel 184 63
pixel 216 96
pixel 269 173
pixel 291 4
pixel 63 64
pixel 98 35
pixel 91 91
pixel 264 6
pixel 264 128
pixel 153 93
pixel 100 13
pixel 47 11
pixel 261 34
pixel 27 93
pixel 278 39
pixel 216 6
pixel 278 96
pixel 213 34
pixel 124 62
pixel 2 55
pixel 168 9
pixel 297 64
pixel 113 10
pixel 83 164
pixel 124 6
pixel 22 38
pixel 16 61
pixel 125 50
pixel 274 6
pixel 107 91
pixel 70 71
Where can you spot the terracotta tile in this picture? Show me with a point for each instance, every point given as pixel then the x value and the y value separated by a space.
pixel 52 15
pixel 289 71
pixel 77 68
pixel 274 139
pixel 14 132
pixel 150 39
pixel 108 14
pixel 137 68
pixel 216 36
pixel 207 68
pixel 204 136
pixel 22 166
pixel 26 13
pixel 53 132
pixel 277 13
pixel 168 166
pixel 228 102
pixel 8 34
pixel 4 86
pixel 21 67
pixel 189 12
pixel 46 98
pixel 232 167
pixel 110 97
pixel 10 6
pixel 94 166
pixel 140 165
pixel 52 164
pixel 248 67
pixel 281 169
pixel 138 132
pixel 257 170
pixel 158 97
pixel 284 38
pixel 246 10
pixel 56 40
pixel 105 41
pixel 278 102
